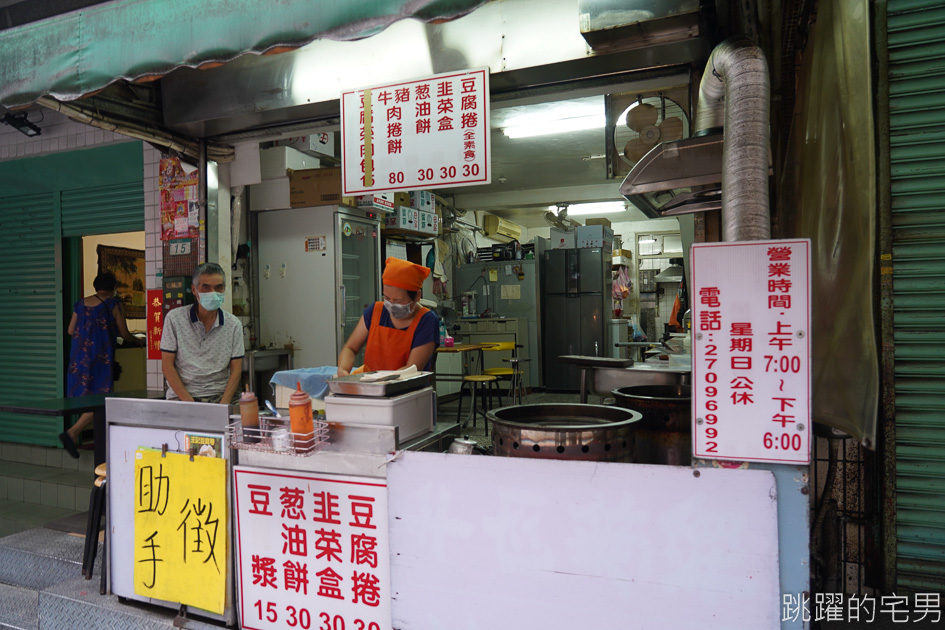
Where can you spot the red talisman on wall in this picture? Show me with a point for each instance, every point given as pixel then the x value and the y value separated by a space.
pixel 155 323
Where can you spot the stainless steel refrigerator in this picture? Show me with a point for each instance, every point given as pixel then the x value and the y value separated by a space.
pixel 318 269
pixel 576 299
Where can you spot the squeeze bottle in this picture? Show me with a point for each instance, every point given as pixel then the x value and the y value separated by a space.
pixel 249 416
pixel 300 411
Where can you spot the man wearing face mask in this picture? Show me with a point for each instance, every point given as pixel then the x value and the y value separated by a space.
pixel 201 345
pixel 398 331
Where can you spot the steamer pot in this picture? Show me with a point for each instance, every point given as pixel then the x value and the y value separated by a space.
pixel 564 431
pixel 664 435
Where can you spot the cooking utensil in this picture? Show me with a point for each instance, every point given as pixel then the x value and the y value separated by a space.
pixel 353 386
pixel 462 446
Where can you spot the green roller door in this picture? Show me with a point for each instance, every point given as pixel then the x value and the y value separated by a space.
pixel 103 210
pixel 916 75
pixel 44 199
pixel 31 328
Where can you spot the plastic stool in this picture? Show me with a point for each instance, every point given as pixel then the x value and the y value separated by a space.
pixel 474 410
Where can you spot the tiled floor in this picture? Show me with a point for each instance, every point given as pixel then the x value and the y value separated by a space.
pixel 40 484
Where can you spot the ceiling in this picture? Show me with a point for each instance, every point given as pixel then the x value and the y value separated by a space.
pixel 529 174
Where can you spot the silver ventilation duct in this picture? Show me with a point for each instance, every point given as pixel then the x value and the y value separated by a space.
pixel 682 177
pixel 735 91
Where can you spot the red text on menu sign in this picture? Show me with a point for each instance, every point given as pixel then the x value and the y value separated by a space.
pixel 313 551
pixel 428 133
pixel 751 351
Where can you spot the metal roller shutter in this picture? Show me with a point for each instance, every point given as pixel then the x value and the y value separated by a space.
pixel 916 41
pixel 31 328
pixel 103 210
pixel 77 193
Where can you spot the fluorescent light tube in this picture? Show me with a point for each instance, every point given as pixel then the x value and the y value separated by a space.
pixel 602 207
pixel 548 127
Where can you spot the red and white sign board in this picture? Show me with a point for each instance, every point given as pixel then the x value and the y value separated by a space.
pixel 313 550
pixel 427 133
pixel 751 351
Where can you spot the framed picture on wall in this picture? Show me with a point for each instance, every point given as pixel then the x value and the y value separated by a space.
pixel 128 267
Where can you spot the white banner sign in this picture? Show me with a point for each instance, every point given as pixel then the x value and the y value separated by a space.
pixel 427 133
pixel 313 550
pixel 751 351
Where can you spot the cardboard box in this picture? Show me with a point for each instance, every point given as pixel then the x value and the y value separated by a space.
pixel 403 218
pixel 315 187
pixel 277 161
pixel 429 222
pixel 351 202
pixel 322 142
pixel 388 201
pixel 422 200
pixel 269 194
pixel 601 221
pixel 561 239
pixel 595 236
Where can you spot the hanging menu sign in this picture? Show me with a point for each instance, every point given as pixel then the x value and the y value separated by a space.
pixel 751 351
pixel 426 133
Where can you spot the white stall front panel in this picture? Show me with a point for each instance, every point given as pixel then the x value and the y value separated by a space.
pixel 491 542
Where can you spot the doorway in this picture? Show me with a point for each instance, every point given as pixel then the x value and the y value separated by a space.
pixel 123 254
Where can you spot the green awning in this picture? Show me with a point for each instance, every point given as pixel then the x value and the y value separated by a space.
pixel 77 53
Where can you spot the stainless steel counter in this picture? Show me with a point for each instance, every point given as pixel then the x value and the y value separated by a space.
pixel 605 380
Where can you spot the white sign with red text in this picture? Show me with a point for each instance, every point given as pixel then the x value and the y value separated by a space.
pixel 751 351
pixel 412 135
pixel 313 550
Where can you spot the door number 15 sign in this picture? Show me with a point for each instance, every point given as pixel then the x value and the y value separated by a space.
pixel 751 351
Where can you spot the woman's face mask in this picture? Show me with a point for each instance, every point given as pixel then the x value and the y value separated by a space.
pixel 211 300
pixel 399 311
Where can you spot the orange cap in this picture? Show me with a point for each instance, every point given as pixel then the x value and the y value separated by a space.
pixel 403 274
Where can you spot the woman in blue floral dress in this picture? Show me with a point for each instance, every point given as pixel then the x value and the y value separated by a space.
pixel 97 321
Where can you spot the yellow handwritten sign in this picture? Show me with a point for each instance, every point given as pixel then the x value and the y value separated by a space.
pixel 180 529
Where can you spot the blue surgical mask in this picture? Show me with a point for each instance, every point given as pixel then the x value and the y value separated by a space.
pixel 211 300
pixel 398 311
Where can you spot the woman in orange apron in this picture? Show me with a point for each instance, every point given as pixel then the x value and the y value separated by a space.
pixel 398 331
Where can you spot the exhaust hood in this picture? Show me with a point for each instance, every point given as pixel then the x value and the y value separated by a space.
pixel 612 24
pixel 677 177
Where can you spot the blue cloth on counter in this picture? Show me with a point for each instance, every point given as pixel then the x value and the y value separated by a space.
pixel 312 379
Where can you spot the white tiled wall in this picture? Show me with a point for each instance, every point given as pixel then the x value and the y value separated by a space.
pixel 60 134
pixel 154 249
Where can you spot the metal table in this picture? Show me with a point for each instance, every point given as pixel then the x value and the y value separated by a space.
pixel 78 405
pixel 585 362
